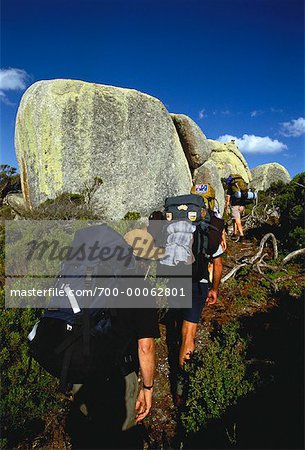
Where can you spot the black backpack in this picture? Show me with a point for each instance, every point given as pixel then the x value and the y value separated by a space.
pixel 73 339
pixel 187 207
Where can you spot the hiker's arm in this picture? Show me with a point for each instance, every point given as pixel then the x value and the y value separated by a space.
pixel 223 241
pixel 227 203
pixel 146 351
pixel 217 272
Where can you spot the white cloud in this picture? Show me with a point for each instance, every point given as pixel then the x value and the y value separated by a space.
pixel 276 110
pixel 249 143
pixel 202 114
pixel 12 80
pixel 256 113
pixel 294 128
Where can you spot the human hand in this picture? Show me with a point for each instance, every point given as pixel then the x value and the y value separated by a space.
pixel 223 242
pixel 212 297
pixel 143 404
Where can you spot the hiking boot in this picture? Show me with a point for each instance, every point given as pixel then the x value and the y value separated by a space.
pixel 241 238
pixel 234 237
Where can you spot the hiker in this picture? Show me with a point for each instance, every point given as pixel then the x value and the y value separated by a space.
pixel 237 196
pixel 207 192
pixel 202 294
pixel 237 212
pixel 98 348
pixel 118 404
pixel 194 241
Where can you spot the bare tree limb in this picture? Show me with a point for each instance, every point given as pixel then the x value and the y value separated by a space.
pixel 261 248
pixel 233 272
pixel 293 255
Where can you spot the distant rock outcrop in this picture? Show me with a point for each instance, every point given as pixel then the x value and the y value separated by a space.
pixel 193 141
pixel 69 131
pixel 228 159
pixel 265 174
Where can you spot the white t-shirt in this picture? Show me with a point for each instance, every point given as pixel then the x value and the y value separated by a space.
pixel 218 252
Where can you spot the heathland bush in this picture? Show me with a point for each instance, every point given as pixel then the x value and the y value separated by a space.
pixel 24 403
pixel 217 377
pixel 290 200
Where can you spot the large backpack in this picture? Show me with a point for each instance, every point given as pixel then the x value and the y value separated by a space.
pixel 208 232
pixel 240 191
pixel 73 340
pixel 207 192
pixel 187 207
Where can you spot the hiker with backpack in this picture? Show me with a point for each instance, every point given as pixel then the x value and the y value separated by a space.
pixel 237 196
pixel 98 350
pixel 195 237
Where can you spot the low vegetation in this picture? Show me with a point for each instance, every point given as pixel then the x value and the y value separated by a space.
pixel 218 375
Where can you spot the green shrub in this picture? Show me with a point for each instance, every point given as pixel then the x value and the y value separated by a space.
pixel 23 403
pixel 9 181
pixel 6 213
pixel 66 206
pixel 132 215
pixel 297 238
pixel 216 379
pixel 290 200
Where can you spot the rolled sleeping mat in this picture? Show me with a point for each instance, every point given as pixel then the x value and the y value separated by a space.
pixel 250 195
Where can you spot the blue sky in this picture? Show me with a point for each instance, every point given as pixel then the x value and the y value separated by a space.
pixel 236 67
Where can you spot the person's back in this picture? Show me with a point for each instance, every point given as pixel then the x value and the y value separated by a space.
pixel 103 413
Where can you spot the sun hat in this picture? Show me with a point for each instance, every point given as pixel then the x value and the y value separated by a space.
pixel 143 244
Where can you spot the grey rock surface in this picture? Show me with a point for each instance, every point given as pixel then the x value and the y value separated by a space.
pixel 265 174
pixel 15 200
pixel 208 173
pixel 228 159
pixel 69 131
pixel 193 141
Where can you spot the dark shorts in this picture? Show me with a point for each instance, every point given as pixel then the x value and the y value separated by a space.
pixel 102 414
pixel 199 295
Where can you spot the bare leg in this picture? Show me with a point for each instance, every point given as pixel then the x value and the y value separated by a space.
pixel 239 227
pixel 234 228
pixel 188 341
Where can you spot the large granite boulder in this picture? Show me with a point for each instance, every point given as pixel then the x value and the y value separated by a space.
pixel 68 132
pixel 228 159
pixel 193 141
pixel 265 174
pixel 208 173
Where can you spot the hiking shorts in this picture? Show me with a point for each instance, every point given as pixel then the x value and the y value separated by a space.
pixel 112 397
pixel 199 295
pixel 237 212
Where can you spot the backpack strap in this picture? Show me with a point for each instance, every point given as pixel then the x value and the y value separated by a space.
pixel 86 314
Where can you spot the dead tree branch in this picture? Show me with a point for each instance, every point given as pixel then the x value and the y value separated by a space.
pixel 261 248
pixel 293 255
pixel 233 272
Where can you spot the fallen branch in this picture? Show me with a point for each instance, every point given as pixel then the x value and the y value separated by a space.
pixel 232 272
pixel 261 248
pixel 293 255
